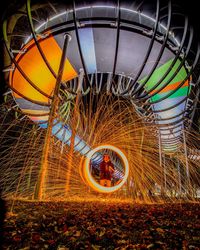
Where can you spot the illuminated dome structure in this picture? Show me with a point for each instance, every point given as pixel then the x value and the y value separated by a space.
pixel 60 54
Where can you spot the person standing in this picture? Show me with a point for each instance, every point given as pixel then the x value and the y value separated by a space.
pixel 106 171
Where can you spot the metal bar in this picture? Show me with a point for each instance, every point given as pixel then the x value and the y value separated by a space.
pixel 28 99
pixel 186 78
pixel 178 131
pixel 170 67
pixel 79 43
pixel 175 73
pixel 171 107
pixel 170 124
pixel 179 177
pixel 149 48
pixel 160 161
pixel 73 135
pixel 29 114
pixel 173 127
pixel 43 173
pixel 186 164
pixel 5 39
pixel 117 38
pixel 160 53
pixel 195 106
pixel 164 172
pixel 28 8
pixel 172 117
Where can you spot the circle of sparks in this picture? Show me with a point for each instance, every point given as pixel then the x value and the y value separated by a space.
pixel 92 182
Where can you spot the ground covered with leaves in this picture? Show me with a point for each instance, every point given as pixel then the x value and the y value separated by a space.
pixel 102 225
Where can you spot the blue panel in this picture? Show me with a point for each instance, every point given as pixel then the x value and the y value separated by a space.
pixel 63 133
pixel 167 103
pixel 88 50
pixel 173 131
pixel 172 112
pixel 43 124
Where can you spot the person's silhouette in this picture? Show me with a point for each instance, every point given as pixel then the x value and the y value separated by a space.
pixel 106 171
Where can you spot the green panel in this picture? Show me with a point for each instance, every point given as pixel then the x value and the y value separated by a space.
pixel 178 93
pixel 159 73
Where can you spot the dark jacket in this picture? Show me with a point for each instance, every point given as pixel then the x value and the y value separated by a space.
pixel 106 170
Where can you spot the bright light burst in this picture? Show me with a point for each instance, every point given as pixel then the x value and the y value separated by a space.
pixel 89 178
pixel 101 119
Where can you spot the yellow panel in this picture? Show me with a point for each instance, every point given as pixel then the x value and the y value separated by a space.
pixel 35 112
pixel 36 118
pixel 36 70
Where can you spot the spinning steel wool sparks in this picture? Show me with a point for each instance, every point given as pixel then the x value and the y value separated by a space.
pixel 80 79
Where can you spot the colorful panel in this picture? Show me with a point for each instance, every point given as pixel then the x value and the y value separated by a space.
pixel 63 133
pixel 36 70
pixel 170 101
pixel 87 46
pixel 175 82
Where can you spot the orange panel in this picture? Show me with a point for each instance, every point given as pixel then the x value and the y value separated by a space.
pixel 170 87
pixel 36 70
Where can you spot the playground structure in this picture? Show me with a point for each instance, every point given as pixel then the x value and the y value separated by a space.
pixel 79 79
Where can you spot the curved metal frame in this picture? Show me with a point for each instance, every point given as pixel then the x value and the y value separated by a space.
pixel 131 91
